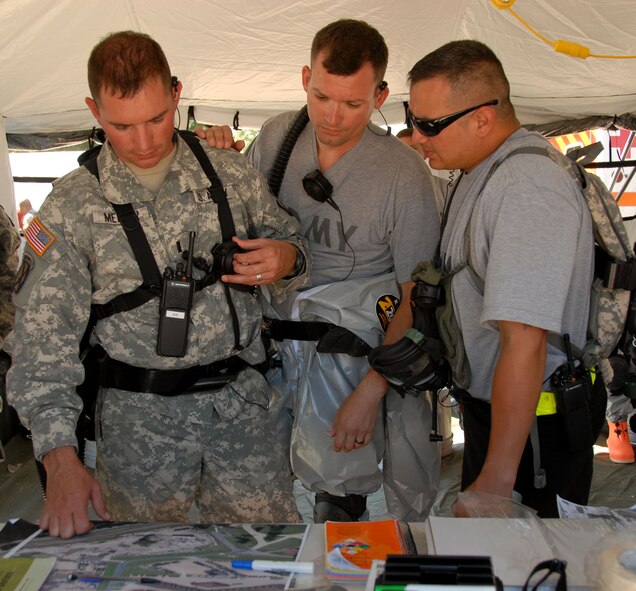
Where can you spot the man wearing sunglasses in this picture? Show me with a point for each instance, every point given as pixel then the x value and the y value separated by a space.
pixel 527 234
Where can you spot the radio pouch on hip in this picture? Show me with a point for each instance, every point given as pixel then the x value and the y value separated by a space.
pixel 573 404
pixel 572 386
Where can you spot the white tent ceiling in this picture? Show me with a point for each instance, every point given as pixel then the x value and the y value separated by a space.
pixel 247 55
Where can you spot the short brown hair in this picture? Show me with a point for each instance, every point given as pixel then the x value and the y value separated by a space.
pixel 122 62
pixel 406 132
pixel 349 44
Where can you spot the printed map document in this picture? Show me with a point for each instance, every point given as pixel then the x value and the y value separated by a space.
pixel 618 517
pixel 177 555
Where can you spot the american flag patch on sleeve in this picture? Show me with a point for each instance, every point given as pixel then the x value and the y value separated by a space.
pixel 38 237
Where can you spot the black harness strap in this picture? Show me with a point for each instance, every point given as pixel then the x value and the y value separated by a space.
pixel 219 196
pixel 115 374
pixel 279 330
pixel 129 220
pixel 152 281
pixel 151 286
pixel 330 337
pixel 216 190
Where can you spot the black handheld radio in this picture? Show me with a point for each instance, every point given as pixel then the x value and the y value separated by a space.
pixel 572 387
pixel 175 306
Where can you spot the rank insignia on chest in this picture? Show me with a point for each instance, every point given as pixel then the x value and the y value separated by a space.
pixel 38 237
pixel 203 197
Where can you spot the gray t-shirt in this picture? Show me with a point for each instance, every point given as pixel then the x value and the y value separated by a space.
pixel 531 241
pixel 385 197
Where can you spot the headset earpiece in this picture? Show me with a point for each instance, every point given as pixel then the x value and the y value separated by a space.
pixel 383 85
pixel 174 81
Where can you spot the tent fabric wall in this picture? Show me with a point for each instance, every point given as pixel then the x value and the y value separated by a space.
pixel 247 55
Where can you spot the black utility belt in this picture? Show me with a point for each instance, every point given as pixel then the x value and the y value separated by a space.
pixel 169 382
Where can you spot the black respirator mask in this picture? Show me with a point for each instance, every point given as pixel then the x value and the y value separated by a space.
pixel 416 362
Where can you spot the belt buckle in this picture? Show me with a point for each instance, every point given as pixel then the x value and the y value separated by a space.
pixel 266 326
pixel 268 329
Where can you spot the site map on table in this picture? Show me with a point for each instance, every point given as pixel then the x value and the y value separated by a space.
pixel 178 556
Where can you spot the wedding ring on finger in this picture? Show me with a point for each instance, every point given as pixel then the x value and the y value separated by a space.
pixel 259 277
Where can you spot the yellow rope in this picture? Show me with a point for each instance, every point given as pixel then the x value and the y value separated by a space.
pixel 566 47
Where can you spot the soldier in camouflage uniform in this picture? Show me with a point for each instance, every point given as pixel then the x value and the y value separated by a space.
pixel 9 243
pixel 156 455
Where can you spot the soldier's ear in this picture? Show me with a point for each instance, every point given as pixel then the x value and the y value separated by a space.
pixel 92 105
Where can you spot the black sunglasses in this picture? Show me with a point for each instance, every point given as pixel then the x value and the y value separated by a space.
pixel 433 127
pixel 553 566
